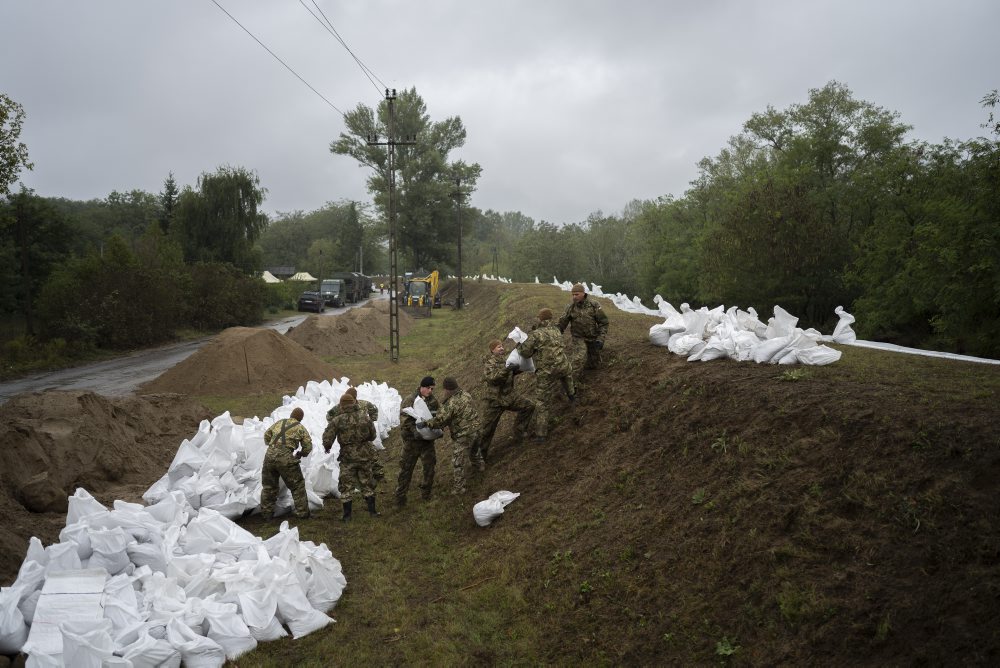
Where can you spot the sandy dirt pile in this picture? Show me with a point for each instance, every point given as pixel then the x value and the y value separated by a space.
pixel 53 442
pixel 360 331
pixel 243 360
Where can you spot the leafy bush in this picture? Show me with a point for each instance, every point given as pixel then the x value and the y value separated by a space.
pixel 222 296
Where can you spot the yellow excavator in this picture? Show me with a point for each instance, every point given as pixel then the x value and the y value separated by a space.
pixel 421 294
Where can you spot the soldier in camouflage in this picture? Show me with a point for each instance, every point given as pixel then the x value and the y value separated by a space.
pixel 368 407
pixel 589 326
pixel 502 395
pixel 287 441
pixel 416 447
pixel 552 369
pixel 458 412
pixel 354 432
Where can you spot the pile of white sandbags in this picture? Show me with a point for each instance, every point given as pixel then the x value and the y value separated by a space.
pixel 219 467
pixel 154 585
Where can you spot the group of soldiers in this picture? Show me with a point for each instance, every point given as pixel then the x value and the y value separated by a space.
pixel 351 422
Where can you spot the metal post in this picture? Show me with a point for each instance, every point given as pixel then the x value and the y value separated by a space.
pixel 460 300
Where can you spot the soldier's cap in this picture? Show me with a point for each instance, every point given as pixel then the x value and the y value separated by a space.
pixel 494 343
pixel 428 381
pixel 450 384
pixel 353 391
pixel 578 287
pixel 545 314
pixel 297 414
pixel 347 398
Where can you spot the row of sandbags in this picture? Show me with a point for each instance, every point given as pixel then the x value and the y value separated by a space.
pixel 160 584
pixel 707 334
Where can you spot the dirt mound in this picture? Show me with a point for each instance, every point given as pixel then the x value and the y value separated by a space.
pixel 53 442
pixel 359 331
pixel 243 360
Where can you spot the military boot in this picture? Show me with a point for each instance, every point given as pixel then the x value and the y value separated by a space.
pixel 370 501
pixel 347 512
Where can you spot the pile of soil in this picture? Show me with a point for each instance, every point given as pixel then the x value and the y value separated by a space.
pixel 54 442
pixel 359 331
pixel 243 360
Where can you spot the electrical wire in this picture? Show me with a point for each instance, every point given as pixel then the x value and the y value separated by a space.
pixel 332 105
pixel 328 25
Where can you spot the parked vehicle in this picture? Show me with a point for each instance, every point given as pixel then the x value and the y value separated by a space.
pixel 333 292
pixel 357 287
pixel 310 300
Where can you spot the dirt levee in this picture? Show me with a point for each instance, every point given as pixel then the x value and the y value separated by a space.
pixel 53 442
pixel 360 331
pixel 243 360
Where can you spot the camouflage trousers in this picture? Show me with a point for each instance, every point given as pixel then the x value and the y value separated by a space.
pixel 582 356
pixel 547 389
pixel 357 464
pixel 412 451
pixel 461 451
pixel 493 410
pixel 280 464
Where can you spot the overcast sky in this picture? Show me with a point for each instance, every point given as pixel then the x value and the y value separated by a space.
pixel 571 106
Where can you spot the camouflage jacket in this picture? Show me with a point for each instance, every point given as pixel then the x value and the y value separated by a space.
pixel 459 413
pixel 407 423
pixel 351 427
pixel 586 320
pixel 498 378
pixel 366 406
pixel 288 434
pixel 545 345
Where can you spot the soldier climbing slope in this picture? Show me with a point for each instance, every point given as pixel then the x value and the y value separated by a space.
pixel 416 447
pixel 552 368
pixel 502 395
pixel 589 326
pixel 458 412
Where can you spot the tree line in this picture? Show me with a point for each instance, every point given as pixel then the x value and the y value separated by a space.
pixel 824 203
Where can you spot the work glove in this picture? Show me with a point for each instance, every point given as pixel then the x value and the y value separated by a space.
pixel 421 424
pixel 513 367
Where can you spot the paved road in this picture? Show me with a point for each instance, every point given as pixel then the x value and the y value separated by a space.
pixel 121 376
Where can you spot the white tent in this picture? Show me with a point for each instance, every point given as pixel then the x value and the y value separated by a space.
pixel 302 276
pixel 270 278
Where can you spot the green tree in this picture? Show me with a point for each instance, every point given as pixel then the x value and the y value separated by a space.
pixel 13 153
pixel 168 202
pixel 427 230
pixel 221 220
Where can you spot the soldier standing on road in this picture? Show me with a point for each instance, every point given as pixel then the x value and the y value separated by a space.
pixel 372 410
pixel 287 441
pixel 458 412
pixel 355 433
pixel 415 446
pixel 552 369
pixel 589 326
pixel 501 395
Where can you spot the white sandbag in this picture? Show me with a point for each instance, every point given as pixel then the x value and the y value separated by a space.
pixel 766 350
pixel 187 461
pixel 196 651
pixel 488 510
pixel 421 413
pixel 782 324
pixel 524 364
pixel 226 627
pixel 843 333
pixel 28 605
pixel 295 610
pixel 13 628
pixel 86 643
pixel 659 335
pixel 82 505
pixel 78 533
pixel 149 652
pixel 517 335
pixel 62 557
pixel 109 550
pixel 818 356
pixel 326 581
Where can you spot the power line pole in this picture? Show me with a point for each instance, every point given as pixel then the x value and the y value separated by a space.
pixel 460 300
pixel 390 143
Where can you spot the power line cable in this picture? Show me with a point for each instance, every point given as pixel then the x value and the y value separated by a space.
pixel 328 25
pixel 332 105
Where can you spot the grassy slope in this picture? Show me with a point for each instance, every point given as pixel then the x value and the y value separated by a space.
pixel 683 514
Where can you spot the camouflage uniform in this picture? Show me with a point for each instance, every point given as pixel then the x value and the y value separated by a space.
pixel 588 324
pixel 377 469
pixel 459 413
pixel 552 368
pixel 355 433
pixel 501 395
pixel 282 438
pixel 414 448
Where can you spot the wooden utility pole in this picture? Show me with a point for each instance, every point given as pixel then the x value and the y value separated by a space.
pixel 390 143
